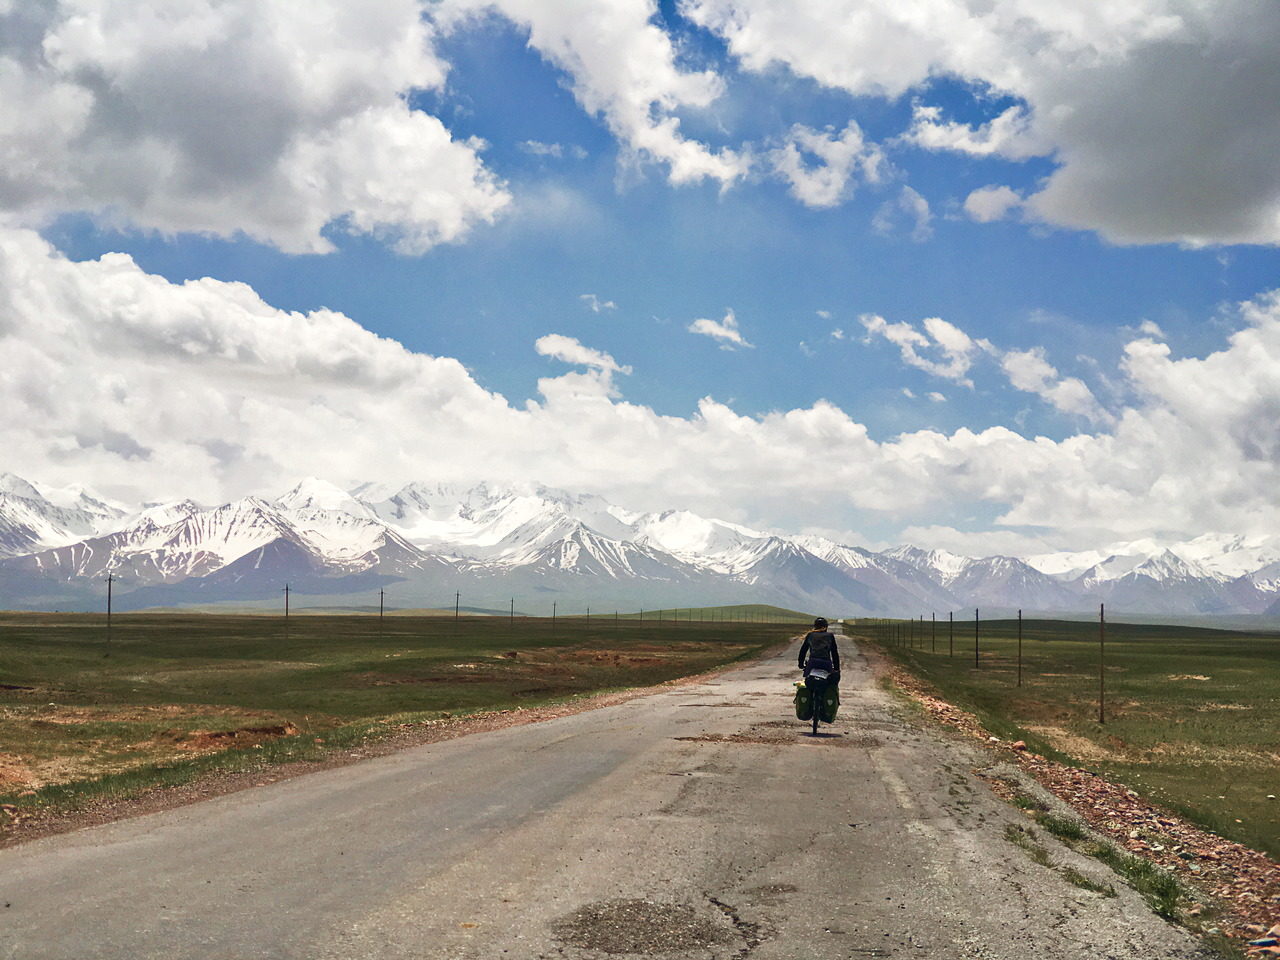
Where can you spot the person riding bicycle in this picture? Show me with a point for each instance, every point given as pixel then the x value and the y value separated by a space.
pixel 819 653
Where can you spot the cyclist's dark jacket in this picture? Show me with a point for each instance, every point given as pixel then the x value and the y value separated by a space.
pixel 832 664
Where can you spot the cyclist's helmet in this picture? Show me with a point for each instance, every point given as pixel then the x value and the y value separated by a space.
pixel 820 624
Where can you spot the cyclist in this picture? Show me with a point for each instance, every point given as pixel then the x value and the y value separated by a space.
pixel 819 653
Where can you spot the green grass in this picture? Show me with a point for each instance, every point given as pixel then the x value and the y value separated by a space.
pixel 89 714
pixel 735 613
pixel 1192 714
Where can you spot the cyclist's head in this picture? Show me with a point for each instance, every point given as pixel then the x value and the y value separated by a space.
pixel 820 624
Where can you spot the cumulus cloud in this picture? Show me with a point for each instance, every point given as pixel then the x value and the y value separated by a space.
pixel 988 204
pixel 595 304
pixel 1162 117
pixel 569 350
pixel 1009 135
pixel 622 67
pixel 726 331
pixel 956 348
pixel 151 388
pixel 820 164
pixel 597 381
pixel 1028 370
pixel 944 350
pixel 235 117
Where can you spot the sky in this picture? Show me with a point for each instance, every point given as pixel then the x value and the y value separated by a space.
pixel 997 277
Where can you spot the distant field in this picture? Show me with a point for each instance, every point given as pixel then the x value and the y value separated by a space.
pixel 1193 715
pixel 170 689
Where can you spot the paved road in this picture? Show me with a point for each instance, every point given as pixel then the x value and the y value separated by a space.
pixel 700 821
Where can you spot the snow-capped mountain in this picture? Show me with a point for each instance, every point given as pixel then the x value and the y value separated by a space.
pixel 423 542
pixel 32 517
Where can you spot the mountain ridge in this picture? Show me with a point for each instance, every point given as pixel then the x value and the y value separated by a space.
pixel 537 544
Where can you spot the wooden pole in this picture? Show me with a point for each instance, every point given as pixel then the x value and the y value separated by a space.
pixel 951 633
pixel 975 638
pixel 110 580
pixel 1102 663
pixel 933 636
pixel 1019 648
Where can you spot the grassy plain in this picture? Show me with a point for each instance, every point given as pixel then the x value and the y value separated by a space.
pixel 1192 714
pixel 164 696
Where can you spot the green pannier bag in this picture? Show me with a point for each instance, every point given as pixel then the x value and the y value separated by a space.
pixel 804 702
pixel 830 703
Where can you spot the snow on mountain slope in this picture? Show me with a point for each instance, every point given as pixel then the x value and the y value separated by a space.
pixel 583 552
pixel 687 534
pixel 433 538
pixel 1230 555
pixel 312 494
pixel 34 517
pixel 945 566
pixel 1008 582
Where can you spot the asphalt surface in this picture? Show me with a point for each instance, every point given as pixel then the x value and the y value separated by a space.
pixel 701 821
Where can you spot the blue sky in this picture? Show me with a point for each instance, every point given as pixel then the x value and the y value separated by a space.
pixel 593 211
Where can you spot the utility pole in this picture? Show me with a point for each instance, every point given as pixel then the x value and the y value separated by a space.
pixel 951 633
pixel 553 614
pixel 1102 663
pixel 110 580
pixel 513 611
pixel 457 599
pixel 588 616
pixel 1019 648
pixel 975 638
pixel 933 636
pixel 286 601
pixel 381 597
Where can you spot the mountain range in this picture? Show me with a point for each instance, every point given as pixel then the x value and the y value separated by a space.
pixel 425 543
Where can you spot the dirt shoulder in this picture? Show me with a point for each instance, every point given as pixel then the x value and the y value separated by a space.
pixel 20 825
pixel 1244 883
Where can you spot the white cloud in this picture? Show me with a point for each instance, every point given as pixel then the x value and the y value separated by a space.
pixel 1009 135
pixel 908 393
pixel 595 303
pixel 837 334
pixel 1152 329
pixel 1162 116
pixel 838 156
pixel 937 397
pixel 235 117
pixel 976 543
pixel 597 381
pixel 988 204
pixel 726 330
pixel 536 148
pixel 958 349
pixel 150 388
pixel 1028 370
pixel 622 67
pixel 569 350
pixel 911 209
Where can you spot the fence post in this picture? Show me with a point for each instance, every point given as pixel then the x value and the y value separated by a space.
pixel 1102 663
pixel 1019 648
pixel 975 638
